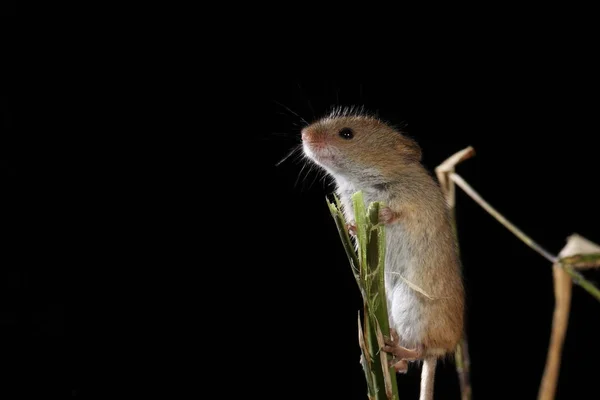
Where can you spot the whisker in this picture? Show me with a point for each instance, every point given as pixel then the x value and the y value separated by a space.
pixel 290 110
pixel 294 150
pixel 308 101
pixel 327 180
pixel 300 156
pixel 311 166
pixel 324 178
pixel 300 174
pixel 283 134
pixel 314 180
pixel 310 171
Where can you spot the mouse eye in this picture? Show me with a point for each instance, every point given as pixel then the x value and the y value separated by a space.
pixel 346 133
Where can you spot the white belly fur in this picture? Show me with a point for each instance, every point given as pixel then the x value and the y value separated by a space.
pixel 404 304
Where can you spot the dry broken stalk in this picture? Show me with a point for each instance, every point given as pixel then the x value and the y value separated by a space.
pixel 579 253
pixel 576 247
pixel 560 320
pixel 463 363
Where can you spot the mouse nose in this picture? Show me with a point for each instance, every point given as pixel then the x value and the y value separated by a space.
pixel 304 134
pixel 308 134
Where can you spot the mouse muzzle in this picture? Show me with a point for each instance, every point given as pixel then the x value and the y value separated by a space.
pixel 316 147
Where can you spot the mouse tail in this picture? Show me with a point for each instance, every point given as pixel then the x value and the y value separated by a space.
pixel 427 378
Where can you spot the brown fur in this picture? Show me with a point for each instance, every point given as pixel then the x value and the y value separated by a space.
pixel 421 247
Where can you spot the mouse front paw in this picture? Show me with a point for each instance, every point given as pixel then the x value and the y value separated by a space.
pixel 387 215
pixel 351 228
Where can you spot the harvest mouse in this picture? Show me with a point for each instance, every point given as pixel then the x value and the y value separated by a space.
pixel 362 152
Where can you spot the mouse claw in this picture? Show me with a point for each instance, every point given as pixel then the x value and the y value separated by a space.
pixel 351 228
pixel 400 353
pixel 394 339
pixel 387 215
pixel 401 366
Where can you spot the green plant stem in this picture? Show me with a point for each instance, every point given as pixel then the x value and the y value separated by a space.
pixel 581 281
pixel 377 297
pixel 368 269
pixel 582 261
pixel 342 228
pixel 371 254
pixel 375 364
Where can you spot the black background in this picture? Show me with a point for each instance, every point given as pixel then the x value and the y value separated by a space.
pixel 121 188
pixel 176 178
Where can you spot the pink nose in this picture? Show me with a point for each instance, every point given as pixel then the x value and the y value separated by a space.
pixel 304 134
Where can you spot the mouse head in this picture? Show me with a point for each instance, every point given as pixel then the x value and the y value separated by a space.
pixel 359 148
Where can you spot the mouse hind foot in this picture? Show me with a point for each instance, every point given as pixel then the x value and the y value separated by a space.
pixel 401 355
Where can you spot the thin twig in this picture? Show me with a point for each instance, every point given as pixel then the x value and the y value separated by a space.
pixel 447 167
pixel 463 363
pixel 463 368
pixel 524 238
pixel 576 276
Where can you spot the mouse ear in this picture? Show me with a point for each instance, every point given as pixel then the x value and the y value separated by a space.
pixel 410 149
